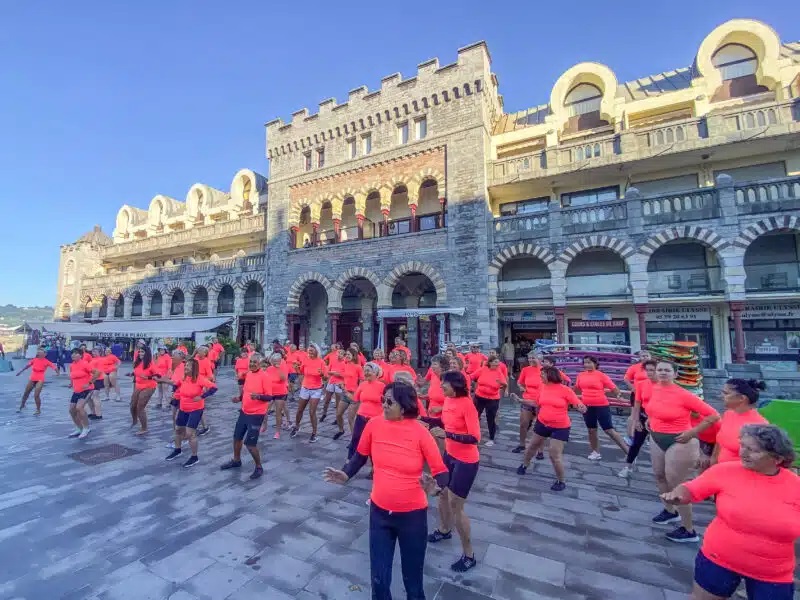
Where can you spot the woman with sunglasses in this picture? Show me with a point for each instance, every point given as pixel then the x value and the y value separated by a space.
pixel 399 446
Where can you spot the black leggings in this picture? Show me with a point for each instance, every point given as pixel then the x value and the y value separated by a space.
pixel 638 439
pixel 491 406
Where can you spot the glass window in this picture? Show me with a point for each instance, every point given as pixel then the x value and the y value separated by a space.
pixel 321 158
pixel 402 133
pixel 585 197
pixel 525 207
pixel 422 128
pixel 307 161
pixel 366 142
pixel 735 60
pixel 352 149
pixel 582 99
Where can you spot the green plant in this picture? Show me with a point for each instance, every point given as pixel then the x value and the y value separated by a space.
pixel 231 346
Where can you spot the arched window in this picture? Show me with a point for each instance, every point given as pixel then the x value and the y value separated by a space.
pixel 225 300
pixel 66 311
pixel 119 307
pixel 87 309
pixel 156 304
pixel 254 298
pixel 69 272
pixel 136 305
pixel 176 305
pixel 582 104
pixel 246 188
pixel 735 60
pixel 200 302
pixel 103 308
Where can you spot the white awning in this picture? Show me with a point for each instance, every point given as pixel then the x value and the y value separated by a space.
pixel 158 328
pixel 384 313
pixel 62 327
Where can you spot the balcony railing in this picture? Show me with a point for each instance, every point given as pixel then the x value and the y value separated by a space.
pixel 595 217
pixel 527 226
pixel 768 196
pixel 509 169
pixel 426 222
pixel 524 289
pixel 781 277
pixel 692 205
pixel 685 282
pixel 667 134
pixel 614 285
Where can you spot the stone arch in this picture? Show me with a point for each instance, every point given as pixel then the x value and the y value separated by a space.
pixel 338 286
pixel 249 278
pixel 413 266
pixel 520 249
pixel 592 73
pixel 293 298
pixel 297 209
pixel 430 174
pixel 759 228
pixel 701 235
pixel 624 249
pixel 196 285
pixel 216 284
pixel 170 289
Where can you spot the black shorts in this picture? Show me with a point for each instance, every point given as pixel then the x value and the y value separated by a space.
pixel 557 433
pixel 99 384
pixel 174 402
pixel 462 475
pixel 707 448
pixel 719 581
pixel 247 428
pixel 78 396
pixel 598 415
pixel 189 419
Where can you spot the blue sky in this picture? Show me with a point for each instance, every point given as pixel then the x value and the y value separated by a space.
pixel 107 103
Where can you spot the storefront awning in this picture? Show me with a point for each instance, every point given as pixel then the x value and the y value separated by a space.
pixel 388 313
pixel 140 328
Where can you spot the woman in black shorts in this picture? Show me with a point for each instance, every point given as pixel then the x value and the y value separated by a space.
pixel 552 422
pixel 461 424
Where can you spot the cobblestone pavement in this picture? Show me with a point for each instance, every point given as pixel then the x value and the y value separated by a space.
pixel 140 528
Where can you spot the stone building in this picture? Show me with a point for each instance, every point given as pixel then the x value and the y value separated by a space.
pixel 200 258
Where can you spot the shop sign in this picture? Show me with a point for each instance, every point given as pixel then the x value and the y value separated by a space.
pixel 580 324
pixel 767 349
pixel 523 316
pixel 678 313
pixel 597 314
pixel 771 311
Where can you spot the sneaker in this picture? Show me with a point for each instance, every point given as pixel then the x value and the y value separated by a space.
pixel 75 433
pixel 293 433
pixel 681 536
pixel 594 456
pixel 257 472
pixel 489 443
pixel 463 564
pixel 438 536
pixel 83 434
pixel 231 464
pixel 540 456
pixel 665 517
pixel 626 471
pixel 558 486
pixel 193 460
pixel 518 449
pixel 338 434
pixel 94 417
pixel 322 418
pixel 628 440
pixel 204 431
pixel 521 470
pixel 277 435
pixel 176 452
pixel 312 439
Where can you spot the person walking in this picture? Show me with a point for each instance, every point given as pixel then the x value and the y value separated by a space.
pixel 38 366
pixel 591 385
pixel 509 353
pixel 399 445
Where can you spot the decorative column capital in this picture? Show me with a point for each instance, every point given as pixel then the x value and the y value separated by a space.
pixel 641 309
pixel 736 306
pixel 560 311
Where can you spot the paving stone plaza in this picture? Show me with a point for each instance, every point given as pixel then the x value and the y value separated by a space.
pixel 139 528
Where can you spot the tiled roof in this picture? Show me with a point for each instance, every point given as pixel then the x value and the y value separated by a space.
pixel 95 237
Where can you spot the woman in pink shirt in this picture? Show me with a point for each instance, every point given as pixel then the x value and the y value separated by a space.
pixel 38 367
pixel 740 398
pixel 591 385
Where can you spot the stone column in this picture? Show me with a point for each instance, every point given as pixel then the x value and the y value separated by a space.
pixel 367 339
pixel 95 311
pixel 726 197
pixel 554 220
pixel 641 313
pixel 413 223
pixel 128 307
pixel 334 323
pixel 111 306
pixel 443 211
pixel 147 301
pixel 337 231
pixel 293 237
pixel 314 234
pixel 360 219
pixel 385 224
pixel 188 304
pixel 213 303
pixel 736 313
pixel 561 329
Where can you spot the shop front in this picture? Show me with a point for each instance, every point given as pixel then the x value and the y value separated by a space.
pixel 683 324
pixel 771 334
pixel 424 330
pixel 524 327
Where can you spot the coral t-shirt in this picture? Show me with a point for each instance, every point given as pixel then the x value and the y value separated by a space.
pixel 277 379
pixel 642 390
pixel 141 376
pixel 313 370
pixel 398 450
pixel 163 364
pixel 757 522
pixel 392 370
pixel 241 367
pixel 459 415
pixel 38 368
pixel 490 382
pixel 255 382
pixel 729 428
pixel 336 370
pixel 531 378
pixel 554 401
pixel 436 398
pixel 635 373
pixel 189 390
pixel 353 373
pixel 593 386
pixel 370 394
pixel 110 364
pixel 80 373
pixel 206 367
pixel 670 409
pixel 474 361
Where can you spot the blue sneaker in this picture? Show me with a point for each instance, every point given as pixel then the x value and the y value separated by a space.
pixel 682 536
pixel 665 517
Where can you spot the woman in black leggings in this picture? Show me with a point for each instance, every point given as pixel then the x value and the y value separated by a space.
pixel 491 385
pixel 641 394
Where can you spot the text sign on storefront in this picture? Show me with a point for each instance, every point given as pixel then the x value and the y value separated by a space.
pixel 523 316
pixel 771 311
pixel 678 313
pixel 578 324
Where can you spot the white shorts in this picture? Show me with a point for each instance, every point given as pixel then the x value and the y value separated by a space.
pixel 307 394
pixel 334 388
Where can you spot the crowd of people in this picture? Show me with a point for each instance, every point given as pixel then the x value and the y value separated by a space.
pixel 422 436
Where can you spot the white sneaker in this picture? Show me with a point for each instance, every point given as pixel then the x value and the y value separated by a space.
pixel 75 433
pixel 489 443
pixel 84 433
pixel 594 456
pixel 626 471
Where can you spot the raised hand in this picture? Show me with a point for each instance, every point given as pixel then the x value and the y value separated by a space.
pixel 337 476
